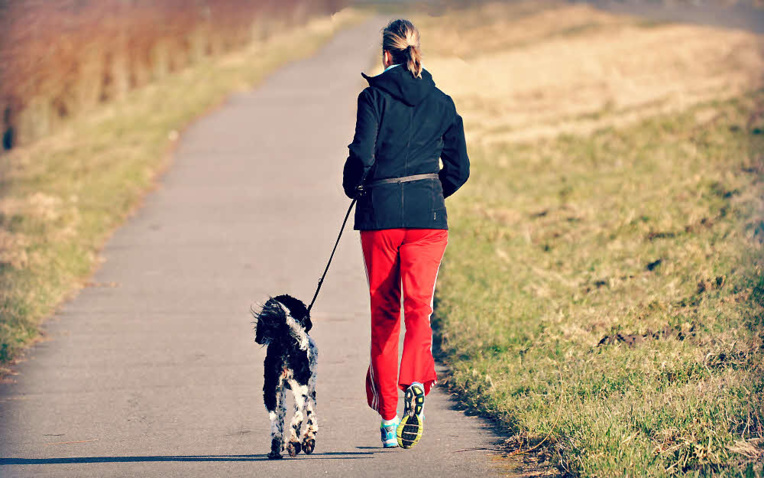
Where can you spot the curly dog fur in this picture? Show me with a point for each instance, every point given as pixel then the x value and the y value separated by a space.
pixel 282 324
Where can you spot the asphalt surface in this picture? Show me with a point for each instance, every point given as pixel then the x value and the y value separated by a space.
pixel 154 372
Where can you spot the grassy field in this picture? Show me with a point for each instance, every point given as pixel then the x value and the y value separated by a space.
pixel 59 60
pixel 603 290
pixel 61 196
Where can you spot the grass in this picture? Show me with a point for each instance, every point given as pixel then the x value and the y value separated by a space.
pixel 60 61
pixel 605 293
pixel 522 71
pixel 61 197
pixel 602 296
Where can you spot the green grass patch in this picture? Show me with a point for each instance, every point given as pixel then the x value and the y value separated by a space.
pixel 61 197
pixel 606 293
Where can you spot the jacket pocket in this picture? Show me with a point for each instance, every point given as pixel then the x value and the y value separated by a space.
pixel 364 213
pixel 438 212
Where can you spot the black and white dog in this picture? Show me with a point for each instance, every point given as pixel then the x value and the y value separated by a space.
pixel 283 324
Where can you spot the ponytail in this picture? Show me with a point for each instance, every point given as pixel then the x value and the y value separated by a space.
pixel 401 39
pixel 414 63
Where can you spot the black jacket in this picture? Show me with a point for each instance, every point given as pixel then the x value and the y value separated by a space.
pixel 404 126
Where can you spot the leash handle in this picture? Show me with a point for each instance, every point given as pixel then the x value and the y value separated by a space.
pixel 321 280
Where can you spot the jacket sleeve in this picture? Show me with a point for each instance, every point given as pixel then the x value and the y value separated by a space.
pixel 362 149
pixel 456 163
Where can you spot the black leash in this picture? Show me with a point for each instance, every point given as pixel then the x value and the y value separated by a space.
pixel 361 190
pixel 321 280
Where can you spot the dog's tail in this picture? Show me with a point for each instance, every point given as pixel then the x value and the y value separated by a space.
pixel 270 322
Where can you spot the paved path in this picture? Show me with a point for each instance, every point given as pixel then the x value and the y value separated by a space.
pixel 159 375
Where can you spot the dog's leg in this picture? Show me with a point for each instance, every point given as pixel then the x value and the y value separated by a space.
pixel 277 443
pixel 300 392
pixel 309 440
pixel 274 395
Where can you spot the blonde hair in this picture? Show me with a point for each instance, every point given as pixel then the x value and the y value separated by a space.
pixel 401 39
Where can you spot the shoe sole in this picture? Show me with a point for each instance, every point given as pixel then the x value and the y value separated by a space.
pixel 411 428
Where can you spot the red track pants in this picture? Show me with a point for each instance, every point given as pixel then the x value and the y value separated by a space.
pixel 396 258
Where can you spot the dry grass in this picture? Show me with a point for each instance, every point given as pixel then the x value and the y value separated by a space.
pixel 607 291
pixel 603 287
pixel 63 195
pixel 59 58
pixel 529 70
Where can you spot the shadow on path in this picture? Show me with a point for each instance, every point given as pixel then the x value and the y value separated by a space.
pixel 353 455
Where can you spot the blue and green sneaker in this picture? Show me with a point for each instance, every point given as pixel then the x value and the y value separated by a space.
pixel 389 429
pixel 412 425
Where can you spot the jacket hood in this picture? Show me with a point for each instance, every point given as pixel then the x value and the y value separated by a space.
pixel 402 85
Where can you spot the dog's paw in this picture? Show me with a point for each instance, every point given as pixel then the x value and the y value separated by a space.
pixel 276 448
pixel 308 445
pixel 293 447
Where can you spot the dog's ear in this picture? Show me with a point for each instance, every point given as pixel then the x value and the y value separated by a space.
pixel 268 322
pixel 297 310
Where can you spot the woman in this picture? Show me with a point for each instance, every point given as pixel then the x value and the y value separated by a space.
pixel 404 126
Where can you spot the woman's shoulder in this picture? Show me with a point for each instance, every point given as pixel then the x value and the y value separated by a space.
pixel 376 96
pixel 444 97
pixel 445 102
pixel 369 97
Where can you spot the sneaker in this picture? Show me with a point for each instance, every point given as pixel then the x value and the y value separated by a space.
pixel 389 429
pixel 412 425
